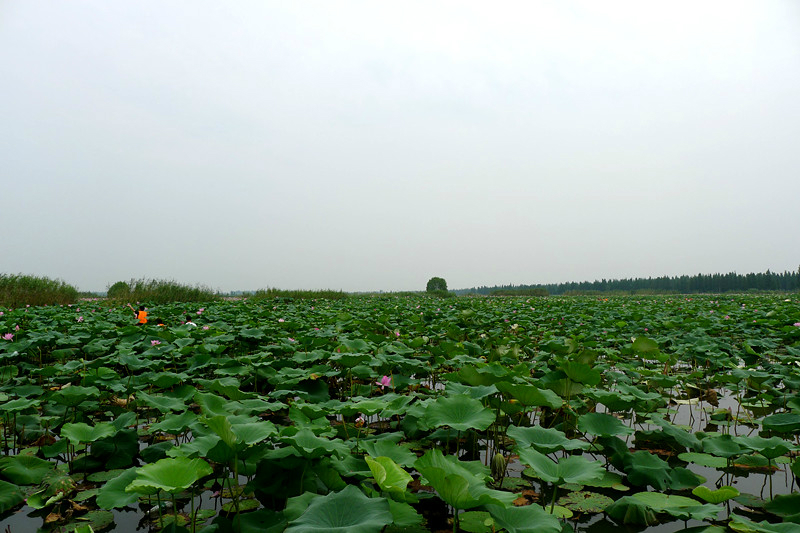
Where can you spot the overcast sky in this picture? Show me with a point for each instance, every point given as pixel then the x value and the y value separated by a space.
pixel 373 145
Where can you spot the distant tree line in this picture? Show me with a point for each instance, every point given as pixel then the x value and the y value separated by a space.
pixel 700 283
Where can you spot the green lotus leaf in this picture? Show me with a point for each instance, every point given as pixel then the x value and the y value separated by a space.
pixel 113 495
pixel 585 502
pixel 389 477
pixel 403 515
pixel 24 469
pixel 769 448
pixel 462 484
pixel 460 413
pixel 347 511
pixel 310 446
pixel 720 495
pixel 644 345
pixel 681 436
pixel 75 395
pixel 398 453
pixel 526 519
pixel 92 521
pixel 614 400
pixel 644 468
pixel 213 405
pixel 477 393
pixel 703 459
pixel 572 469
pixel 175 423
pixel 782 422
pixel 628 510
pixel 582 373
pixel 530 395
pixel 682 479
pixel 545 440
pixel 602 425
pixel 722 446
pixel 10 496
pixel 80 432
pixel 170 475
pixel 486 374
pixel 20 404
pixel 475 522
pixel 642 507
pixel 787 506
pixel 165 404
pixel 744 525
pixel 678 506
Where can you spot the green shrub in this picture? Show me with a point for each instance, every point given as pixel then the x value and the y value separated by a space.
pixel 17 290
pixel 270 293
pixel 121 290
pixel 157 291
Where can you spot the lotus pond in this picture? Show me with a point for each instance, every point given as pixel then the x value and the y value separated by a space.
pixel 404 414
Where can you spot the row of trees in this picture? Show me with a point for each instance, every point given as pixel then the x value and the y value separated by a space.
pixel 706 283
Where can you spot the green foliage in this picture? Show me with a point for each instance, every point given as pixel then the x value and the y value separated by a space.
pixel 18 290
pixel 436 285
pixel 287 401
pixel 156 291
pixel 271 293
pixel 120 290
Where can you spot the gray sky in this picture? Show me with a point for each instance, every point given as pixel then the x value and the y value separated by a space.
pixel 372 145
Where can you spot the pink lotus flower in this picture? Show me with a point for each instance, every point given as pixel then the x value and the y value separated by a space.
pixel 385 381
pixel 16 328
pixel 8 336
pixel 281 320
pixel 155 343
pixel 205 327
pixel 80 319
pixel 796 324
pixel 291 340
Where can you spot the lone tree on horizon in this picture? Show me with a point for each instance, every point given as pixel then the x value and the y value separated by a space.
pixel 436 284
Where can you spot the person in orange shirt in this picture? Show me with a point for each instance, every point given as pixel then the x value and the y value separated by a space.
pixel 141 315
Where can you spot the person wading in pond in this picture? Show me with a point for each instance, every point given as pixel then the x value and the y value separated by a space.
pixel 141 315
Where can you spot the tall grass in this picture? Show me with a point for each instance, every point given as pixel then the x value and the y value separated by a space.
pixel 17 290
pixel 158 291
pixel 299 294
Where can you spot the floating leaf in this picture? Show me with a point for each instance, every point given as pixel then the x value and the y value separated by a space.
pixel 720 495
pixel 585 502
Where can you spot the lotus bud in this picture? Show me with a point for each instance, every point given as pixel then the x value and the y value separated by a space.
pixel 498 466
